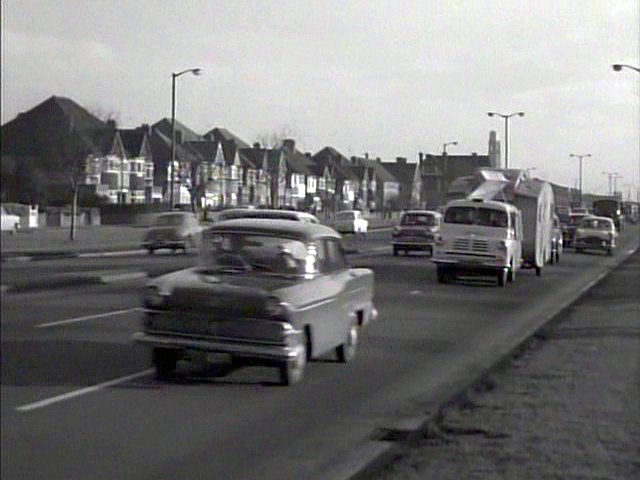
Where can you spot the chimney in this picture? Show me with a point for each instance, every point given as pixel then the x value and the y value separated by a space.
pixel 366 155
pixel 420 157
pixel 307 154
pixel 111 123
pixel 378 159
pixel 256 145
pixel 401 160
pixel 289 144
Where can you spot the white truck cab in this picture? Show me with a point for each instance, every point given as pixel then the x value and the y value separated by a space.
pixel 481 237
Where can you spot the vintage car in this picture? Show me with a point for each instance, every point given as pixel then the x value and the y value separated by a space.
pixel 174 231
pixel 569 230
pixel 234 213
pixel 350 221
pixel 416 231
pixel 596 233
pixel 263 291
pixel 557 243
pixel 10 222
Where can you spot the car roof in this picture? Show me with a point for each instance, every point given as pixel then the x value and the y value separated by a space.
pixel 422 212
pixel 265 226
pixel 235 213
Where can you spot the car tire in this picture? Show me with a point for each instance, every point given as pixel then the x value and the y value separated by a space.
pixel 150 250
pixel 579 250
pixel 511 276
pixel 292 371
pixel 164 361
pixel 610 251
pixel 557 257
pixel 347 351
pixel 538 271
pixel 443 274
pixel 502 277
pixel 395 252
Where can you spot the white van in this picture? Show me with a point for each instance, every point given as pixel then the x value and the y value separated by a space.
pixel 479 236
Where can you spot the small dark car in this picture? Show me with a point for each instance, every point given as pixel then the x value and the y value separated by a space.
pixel 173 231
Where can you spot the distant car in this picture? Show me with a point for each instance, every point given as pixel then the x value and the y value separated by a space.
pixel 174 231
pixel 596 233
pixel 234 213
pixel 557 242
pixel 569 230
pixel 564 213
pixel 416 230
pixel 350 221
pixel 265 291
pixel 10 222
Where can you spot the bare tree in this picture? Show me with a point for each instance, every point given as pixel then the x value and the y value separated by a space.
pixel 274 139
pixel 105 114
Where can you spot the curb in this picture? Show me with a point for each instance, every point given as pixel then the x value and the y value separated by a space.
pixel 416 429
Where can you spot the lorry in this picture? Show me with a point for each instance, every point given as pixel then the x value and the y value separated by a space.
pixel 531 198
pixel 609 207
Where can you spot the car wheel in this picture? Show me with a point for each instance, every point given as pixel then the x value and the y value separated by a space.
pixel 164 360
pixel 150 250
pixel 610 251
pixel 579 250
pixel 557 257
pixel 443 274
pixel 292 371
pixel 347 351
pixel 538 271
pixel 395 252
pixel 511 276
pixel 502 277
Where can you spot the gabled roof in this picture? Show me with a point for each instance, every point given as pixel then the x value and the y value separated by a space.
pixel 380 171
pixel 402 172
pixel 298 162
pixel 224 135
pixel 164 126
pixel 132 141
pixel 254 157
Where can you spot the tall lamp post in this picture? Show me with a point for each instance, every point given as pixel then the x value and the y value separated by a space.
pixel 195 71
pixel 613 184
pixel 580 157
pixel 506 117
pixel 445 145
pixel 618 67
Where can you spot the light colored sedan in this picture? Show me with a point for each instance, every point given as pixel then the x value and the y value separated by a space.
pixel 596 233
pixel 173 231
pixel 295 215
pixel 265 291
pixel 350 221
pixel 10 222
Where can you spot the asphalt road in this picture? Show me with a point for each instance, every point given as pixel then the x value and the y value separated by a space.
pixel 79 399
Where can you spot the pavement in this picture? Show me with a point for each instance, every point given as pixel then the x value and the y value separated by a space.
pixel 565 406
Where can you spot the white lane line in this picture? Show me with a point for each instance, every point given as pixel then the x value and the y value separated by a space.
pixel 87 317
pixel 83 391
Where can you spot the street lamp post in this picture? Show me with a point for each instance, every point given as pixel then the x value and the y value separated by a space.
pixel 506 132
pixel 195 71
pixel 445 145
pixel 580 157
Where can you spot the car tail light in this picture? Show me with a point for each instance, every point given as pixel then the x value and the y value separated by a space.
pixel 154 298
pixel 276 309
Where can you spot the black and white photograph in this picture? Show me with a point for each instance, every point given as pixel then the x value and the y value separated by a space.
pixel 320 239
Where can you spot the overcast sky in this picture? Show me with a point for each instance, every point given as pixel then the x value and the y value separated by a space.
pixel 388 78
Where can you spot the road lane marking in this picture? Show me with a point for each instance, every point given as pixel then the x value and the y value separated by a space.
pixel 87 317
pixel 83 391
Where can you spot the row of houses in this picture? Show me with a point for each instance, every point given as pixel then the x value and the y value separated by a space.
pixel 218 169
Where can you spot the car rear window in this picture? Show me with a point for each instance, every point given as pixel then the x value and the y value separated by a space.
pixel 423 219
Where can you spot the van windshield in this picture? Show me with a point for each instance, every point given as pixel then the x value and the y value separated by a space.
pixel 486 217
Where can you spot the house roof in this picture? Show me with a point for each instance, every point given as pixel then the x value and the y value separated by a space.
pixel 164 126
pixel 403 172
pixel 132 141
pixel 381 172
pixel 224 135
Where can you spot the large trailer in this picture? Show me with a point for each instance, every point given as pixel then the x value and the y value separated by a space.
pixel 535 200
pixel 609 207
